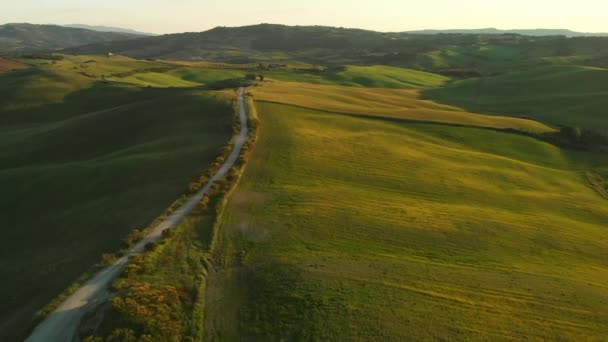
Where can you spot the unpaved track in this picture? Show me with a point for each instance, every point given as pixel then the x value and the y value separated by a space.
pixel 62 324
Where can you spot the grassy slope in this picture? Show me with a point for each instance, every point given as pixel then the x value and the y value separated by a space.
pixel 356 76
pixel 82 164
pixel 377 76
pixel 402 104
pixel 349 228
pixel 557 94
pixel 205 76
pixel 155 79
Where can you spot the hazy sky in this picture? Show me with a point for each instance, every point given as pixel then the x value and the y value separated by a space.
pixel 168 16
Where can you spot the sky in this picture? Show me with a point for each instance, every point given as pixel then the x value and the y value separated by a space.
pixel 171 16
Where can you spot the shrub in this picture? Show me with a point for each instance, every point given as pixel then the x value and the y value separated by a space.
pixel 134 237
pixel 168 233
pixel 152 309
pixel 204 203
pixel 150 246
pixel 108 258
pixel 194 187
pixel 122 335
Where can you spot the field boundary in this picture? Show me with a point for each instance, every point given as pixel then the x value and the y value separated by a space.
pixel 400 120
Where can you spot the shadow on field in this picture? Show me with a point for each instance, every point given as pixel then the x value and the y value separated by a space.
pixel 79 175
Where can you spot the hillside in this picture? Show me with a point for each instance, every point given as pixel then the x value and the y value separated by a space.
pixel 82 164
pixel 102 28
pixel 531 32
pixel 30 38
pixel 347 228
pixel 398 105
pixel 556 94
pixel 330 46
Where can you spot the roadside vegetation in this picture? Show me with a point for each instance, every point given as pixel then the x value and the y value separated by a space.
pixel 161 294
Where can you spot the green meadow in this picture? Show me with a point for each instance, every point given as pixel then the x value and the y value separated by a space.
pixel 393 104
pixel 348 228
pixel 555 94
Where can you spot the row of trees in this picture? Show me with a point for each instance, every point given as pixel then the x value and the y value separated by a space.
pixel 254 77
pixel 578 138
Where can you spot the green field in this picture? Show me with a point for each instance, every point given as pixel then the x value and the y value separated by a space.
pixel 395 104
pixel 377 76
pixel 82 164
pixel 554 94
pixel 347 228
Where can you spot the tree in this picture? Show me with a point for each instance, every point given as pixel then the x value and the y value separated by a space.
pixel 571 133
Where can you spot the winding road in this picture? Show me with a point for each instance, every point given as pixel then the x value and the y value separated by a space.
pixel 62 324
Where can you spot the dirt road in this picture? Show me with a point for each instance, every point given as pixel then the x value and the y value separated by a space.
pixel 62 324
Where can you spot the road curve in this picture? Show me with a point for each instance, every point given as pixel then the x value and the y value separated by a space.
pixel 62 324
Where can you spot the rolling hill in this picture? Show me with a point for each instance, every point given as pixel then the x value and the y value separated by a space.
pixel 531 32
pixel 102 28
pixel 556 94
pixel 348 228
pixel 393 104
pixel 329 45
pixel 32 38
pixel 82 164
pixel 400 187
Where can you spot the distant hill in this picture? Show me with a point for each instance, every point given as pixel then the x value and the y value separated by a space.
pixel 331 45
pixel 533 32
pixel 31 38
pixel 264 37
pixel 108 29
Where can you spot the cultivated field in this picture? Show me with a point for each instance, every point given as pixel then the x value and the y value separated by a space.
pixel 356 229
pixel 376 76
pixel 10 65
pixel 398 104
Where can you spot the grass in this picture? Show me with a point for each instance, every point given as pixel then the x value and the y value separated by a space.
pixel 83 163
pixel 554 94
pixel 396 104
pixel 355 76
pixel 211 65
pixel 376 76
pixel 206 76
pixel 155 79
pixel 356 229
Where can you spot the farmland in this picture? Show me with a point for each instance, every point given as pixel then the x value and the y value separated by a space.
pixel 353 228
pixel 396 104
pixel 10 65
